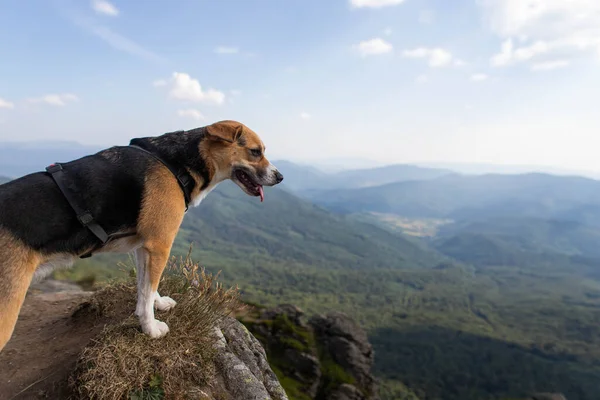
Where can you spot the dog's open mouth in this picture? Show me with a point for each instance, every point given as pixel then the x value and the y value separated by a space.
pixel 251 187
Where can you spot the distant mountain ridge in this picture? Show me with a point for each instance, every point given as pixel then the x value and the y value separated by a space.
pixel 465 197
pixel 303 179
pixel 21 158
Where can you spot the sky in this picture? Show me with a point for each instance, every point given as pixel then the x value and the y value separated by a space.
pixel 396 81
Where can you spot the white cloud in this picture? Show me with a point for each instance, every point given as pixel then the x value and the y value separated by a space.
pixel 183 87
pixel 227 50
pixel 305 115
pixel 159 83
pixel 373 47
pixel 546 28
pixel 550 65
pixel 509 55
pixel 422 79
pixel 191 113
pixel 6 104
pixel 436 57
pixel 426 17
pixel 114 39
pixel 479 77
pixel 58 100
pixel 374 3
pixel 105 8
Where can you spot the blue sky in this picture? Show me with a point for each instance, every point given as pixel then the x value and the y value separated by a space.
pixel 499 81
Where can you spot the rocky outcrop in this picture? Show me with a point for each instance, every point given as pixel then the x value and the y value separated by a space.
pixel 347 345
pixel 326 357
pixel 548 396
pixel 242 366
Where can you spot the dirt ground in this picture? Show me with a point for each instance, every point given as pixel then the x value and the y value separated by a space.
pixel 40 356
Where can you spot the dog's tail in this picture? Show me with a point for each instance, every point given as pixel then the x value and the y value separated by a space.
pixel 17 266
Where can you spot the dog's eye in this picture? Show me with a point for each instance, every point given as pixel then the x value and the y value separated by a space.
pixel 256 152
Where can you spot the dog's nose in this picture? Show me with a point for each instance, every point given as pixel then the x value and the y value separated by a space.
pixel 278 176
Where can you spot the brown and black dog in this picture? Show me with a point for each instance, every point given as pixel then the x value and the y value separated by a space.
pixel 133 194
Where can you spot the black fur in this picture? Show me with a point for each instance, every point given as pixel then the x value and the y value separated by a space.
pixel 110 184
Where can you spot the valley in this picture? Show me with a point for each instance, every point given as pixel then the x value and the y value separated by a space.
pixel 467 295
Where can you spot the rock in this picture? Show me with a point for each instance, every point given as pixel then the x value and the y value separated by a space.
pixel 241 363
pixel 548 396
pixel 346 392
pixel 293 313
pixel 312 354
pixel 347 345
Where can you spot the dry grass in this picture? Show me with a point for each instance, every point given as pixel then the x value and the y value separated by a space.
pixel 123 363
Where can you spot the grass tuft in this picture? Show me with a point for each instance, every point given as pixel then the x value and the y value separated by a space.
pixel 124 363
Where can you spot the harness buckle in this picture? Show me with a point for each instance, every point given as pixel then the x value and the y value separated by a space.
pixel 85 219
pixel 54 168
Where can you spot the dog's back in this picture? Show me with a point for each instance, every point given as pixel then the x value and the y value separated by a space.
pixel 37 224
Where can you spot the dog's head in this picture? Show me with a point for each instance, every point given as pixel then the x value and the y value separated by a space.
pixel 238 153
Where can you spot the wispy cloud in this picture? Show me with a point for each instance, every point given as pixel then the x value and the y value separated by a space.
pixel 104 7
pixel 374 3
pixel 191 113
pixel 227 50
pixel 422 79
pixel 58 100
pixel 6 104
pixel 479 77
pixel 426 17
pixel 545 29
pixel 372 47
pixel 436 57
pixel 550 65
pixel 305 115
pixel 114 39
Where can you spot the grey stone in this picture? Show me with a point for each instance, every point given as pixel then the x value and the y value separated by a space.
pixel 242 366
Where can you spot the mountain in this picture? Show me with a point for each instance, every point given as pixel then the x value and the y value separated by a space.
pixel 484 168
pixel 4 179
pixel 462 197
pixel 532 234
pixel 21 158
pixel 285 229
pixel 303 179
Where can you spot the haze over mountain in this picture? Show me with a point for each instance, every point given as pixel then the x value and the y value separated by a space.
pixel 21 158
pixel 506 256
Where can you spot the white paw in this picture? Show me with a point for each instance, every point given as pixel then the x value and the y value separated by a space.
pixel 164 303
pixel 155 328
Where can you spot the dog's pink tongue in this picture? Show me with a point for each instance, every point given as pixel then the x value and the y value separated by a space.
pixel 262 194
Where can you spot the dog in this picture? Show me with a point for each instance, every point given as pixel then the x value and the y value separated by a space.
pixel 124 199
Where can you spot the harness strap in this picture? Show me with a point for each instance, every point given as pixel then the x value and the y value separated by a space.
pixel 182 175
pixel 84 216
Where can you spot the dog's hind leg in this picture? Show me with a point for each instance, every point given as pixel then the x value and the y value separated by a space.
pixel 150 264
pixel 17 266
pixel 160 217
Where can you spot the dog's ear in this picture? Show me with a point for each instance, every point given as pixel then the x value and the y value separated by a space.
pixel 227 131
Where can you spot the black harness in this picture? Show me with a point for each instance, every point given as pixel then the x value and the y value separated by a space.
pixel 85 217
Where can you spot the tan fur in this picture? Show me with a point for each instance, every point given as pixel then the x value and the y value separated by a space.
pixel 224 150
pixel 17 266
pixel 160 218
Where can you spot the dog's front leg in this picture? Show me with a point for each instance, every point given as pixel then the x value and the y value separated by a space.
pixel 150 261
